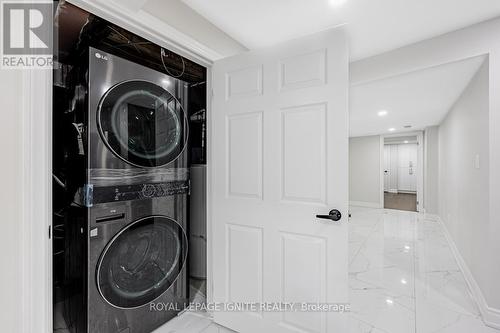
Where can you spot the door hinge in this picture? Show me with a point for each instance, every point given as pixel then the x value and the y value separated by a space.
pixel 50 229
pixel 88 195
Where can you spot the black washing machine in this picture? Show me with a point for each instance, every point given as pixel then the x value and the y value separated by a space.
pixel 131 258
pixel 126 240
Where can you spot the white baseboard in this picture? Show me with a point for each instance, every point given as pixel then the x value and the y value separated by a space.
pixel 491 316
pixel 432 217
pixel 365 204
pixel 407 192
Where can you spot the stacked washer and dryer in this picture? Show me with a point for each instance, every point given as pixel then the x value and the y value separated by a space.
pixel 126 235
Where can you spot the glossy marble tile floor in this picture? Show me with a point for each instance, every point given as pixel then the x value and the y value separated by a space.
pixel 404 278
pixel 192 322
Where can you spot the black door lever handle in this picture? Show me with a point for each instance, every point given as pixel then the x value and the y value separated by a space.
pixel 334 215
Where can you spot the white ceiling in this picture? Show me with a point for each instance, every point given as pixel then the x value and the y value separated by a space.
pixel 420 98
pixel 374 26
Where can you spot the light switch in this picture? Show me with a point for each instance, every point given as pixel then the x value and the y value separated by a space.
pixel 476 162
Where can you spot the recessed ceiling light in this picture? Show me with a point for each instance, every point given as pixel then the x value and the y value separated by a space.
pixel 403 281
pixel 337 3
pixel 382 113
pixel 392 129
pixel 406 141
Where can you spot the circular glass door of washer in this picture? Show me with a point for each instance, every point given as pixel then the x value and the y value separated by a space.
pixel 142 123
pixel 141 262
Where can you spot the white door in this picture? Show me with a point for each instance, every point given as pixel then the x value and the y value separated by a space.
pixel 280 157
pixel 407 167
pixel 387 168
pixel 391 166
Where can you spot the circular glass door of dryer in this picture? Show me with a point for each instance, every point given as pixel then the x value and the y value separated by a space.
pixel 142 123
pixel 141 262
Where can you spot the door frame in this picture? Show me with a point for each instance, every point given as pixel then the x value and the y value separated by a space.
pixel 36 186
pixel 420 166
pixel 150 27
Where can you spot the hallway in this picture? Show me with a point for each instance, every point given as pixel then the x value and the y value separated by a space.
pixel 404 278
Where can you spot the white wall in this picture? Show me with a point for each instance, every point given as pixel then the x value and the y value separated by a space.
pixel 464 186
pixel 364 171
pixel 476 40
pixel 431 170
pixel 11 201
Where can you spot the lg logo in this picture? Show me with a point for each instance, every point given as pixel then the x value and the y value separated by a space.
pixel 27 28
pixel 101 56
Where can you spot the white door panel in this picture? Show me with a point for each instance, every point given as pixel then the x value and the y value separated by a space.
pixel 280 156
pixel 407 167
pixel 391 166
pixel 387 168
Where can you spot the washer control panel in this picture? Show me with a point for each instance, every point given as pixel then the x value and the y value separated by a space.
pixel 140 191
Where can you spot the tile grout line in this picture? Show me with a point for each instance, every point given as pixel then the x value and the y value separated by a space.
pixel 372 231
